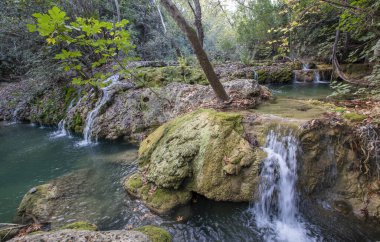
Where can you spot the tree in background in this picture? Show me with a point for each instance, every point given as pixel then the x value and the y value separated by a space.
pixel 198 49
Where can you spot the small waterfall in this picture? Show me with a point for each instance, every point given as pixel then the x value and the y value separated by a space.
pixel 255 75
pixel 62 132
pixel 14 119
pixel 317 77
pixel 87 131
pixel 276 212
pixel 305 67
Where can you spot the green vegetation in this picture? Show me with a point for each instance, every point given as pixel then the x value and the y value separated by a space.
pixel 155 234
pixel 84 44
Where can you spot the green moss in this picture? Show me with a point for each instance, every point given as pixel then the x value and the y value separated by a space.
pixel 159 200
pixel 156 234
pixel 354 117
pixel 30 199
pixel 78 123
pixel 80 225
pixel 162 76
pixel 275 75
pixel 134 182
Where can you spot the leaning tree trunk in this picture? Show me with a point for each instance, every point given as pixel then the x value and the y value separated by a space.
pixel 197 11
pixel 336 66
pixel 197 47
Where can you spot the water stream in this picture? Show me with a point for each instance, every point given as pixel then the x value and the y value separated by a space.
pixel 30 157
pixel 87 131
pixel 276 211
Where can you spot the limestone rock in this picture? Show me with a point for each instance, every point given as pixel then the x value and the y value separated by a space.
pixel 159 200
pixel 202 152
pixel 331 169
pixel 84 236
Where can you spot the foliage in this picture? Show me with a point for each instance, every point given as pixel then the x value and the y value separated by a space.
pixel 85 43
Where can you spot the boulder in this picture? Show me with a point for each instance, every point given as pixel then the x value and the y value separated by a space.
pixel 203 152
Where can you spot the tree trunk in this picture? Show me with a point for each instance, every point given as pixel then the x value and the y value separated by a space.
pixel 198 20
pixel 336 66
pixel 197 47
pixel 117 6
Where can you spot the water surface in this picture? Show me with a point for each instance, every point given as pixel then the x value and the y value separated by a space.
pixel 30 157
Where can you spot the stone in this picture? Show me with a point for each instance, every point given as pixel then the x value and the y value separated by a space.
pixel 159 200
pixel 202 152
pixel 84 236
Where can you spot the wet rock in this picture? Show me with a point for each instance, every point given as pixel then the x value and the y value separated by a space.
pixel 159 200
pixel 80 225
pixel 202 152
pixel 304 75
pixel 342 206
pixel 332 168
pixel 8 231
pixel 71 198
pixel 83 236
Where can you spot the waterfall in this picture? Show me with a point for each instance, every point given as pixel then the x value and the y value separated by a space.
pixel 317 77
pixel 14 115
pixel 61 132
pixel 305 66
pixel 87 131
pixel 276 212
pixel 255 75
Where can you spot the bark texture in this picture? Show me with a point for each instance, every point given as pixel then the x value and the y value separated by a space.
pixel 198 49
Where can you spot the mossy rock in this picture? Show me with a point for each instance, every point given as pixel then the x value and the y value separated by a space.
pixel 279 75
pixel 162 76
pixel 80 225
pixel 354 117
pixel 204 152
pixel 160 200
pixel 156 234
pixel 36 203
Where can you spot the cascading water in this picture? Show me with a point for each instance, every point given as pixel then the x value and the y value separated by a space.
pixel 255 75
pixel 61 132
pixel 276 213
pixel 87 131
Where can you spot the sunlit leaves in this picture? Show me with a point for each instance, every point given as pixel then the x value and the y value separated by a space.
pixel 86 43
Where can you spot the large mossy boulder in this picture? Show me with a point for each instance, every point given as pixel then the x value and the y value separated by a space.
pixel 202 152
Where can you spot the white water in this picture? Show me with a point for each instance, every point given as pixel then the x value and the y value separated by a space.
pixel 87 131
pixel 276 212
pixel 62 132
pixel 255 75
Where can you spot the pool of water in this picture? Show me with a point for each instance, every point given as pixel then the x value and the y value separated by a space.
pixel 29 156
pixel 302 90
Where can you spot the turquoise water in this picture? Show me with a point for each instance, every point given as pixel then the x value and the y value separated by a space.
pixel 29 156
pixel 302 90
